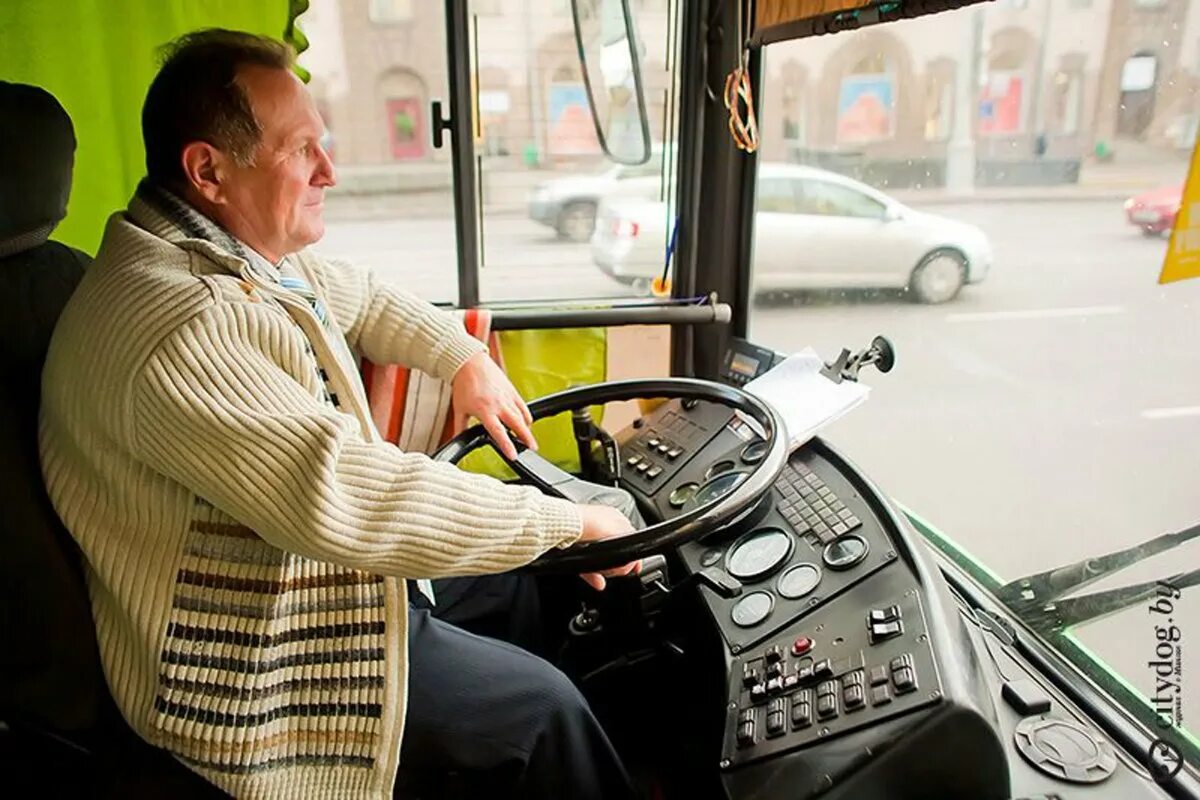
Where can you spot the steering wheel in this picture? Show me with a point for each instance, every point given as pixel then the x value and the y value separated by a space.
pixel 600 555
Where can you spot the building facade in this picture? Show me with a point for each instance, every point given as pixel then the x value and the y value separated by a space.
pixel 1045 79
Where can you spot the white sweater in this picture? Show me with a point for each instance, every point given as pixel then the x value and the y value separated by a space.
pixel 245 528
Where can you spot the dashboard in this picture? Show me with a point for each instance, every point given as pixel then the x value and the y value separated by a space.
pixel 849 671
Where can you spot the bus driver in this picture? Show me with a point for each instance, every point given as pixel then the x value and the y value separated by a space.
pixel 206 439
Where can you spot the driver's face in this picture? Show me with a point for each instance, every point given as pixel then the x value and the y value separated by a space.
pixel 279 199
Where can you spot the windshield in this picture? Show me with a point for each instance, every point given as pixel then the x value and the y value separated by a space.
pixel 1045 405
pixel 376 70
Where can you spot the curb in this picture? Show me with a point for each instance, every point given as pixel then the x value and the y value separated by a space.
pixel 1097 196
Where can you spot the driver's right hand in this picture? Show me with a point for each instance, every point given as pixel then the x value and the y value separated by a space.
pixel 605 522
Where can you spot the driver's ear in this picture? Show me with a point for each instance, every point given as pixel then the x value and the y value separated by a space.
pixel 206 169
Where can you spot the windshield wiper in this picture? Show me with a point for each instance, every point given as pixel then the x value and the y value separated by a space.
pixel 1035 599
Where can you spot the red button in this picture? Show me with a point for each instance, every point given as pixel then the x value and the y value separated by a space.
pixel 802 646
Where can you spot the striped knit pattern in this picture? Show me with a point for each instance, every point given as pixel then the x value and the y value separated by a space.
pixel 245 540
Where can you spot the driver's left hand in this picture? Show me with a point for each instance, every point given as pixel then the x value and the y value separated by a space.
pixel 482 390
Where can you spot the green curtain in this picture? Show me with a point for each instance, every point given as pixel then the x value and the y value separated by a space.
pixel 543 362
pixel 98 57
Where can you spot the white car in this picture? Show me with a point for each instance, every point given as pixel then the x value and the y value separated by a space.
pixel 568 204
pixel 813 230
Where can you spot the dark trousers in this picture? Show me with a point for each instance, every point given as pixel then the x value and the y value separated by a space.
pixel 486 718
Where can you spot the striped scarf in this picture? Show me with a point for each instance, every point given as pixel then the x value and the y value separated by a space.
pixel 198 226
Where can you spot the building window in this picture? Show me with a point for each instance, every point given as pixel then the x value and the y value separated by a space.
pixel 406 128
pixel 1002 105
pixel 939 105
pixel 571 131
pixel 391 10
pixel 1068 100
pixel 866 110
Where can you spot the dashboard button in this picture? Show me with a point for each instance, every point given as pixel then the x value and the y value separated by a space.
pixel 801 714
pixel 745 734
pixel 878 675
pixel 802 646
pixel 654 472
pixel 750 675
pixel 905 680
pixel 827 706
pixel 886 630
pixel 880 695
pixel 775 724
pixel 675 453
pixel 774 653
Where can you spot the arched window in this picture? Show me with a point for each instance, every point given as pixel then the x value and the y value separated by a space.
pixel 1139 84
pixel 404 102
pixel 866 110
pixel 1004 101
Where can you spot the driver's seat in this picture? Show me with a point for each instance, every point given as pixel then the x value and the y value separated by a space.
pixel 59 729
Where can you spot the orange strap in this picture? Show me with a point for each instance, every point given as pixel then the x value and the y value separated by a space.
pixel 738 94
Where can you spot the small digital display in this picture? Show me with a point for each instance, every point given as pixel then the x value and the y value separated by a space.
pixel 744 364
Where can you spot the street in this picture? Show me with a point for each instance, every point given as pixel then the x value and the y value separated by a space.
pixel 522 260
pixel 1049 414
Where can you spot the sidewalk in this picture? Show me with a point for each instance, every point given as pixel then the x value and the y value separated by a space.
pixel 1134 170
pixel 424 190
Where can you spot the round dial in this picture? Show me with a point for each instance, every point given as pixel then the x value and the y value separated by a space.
pixel 845 552
pixel 759 553
pixel 717 488
pixel 754 452
pixel 682 493
pixel 752 609
pixel 799 581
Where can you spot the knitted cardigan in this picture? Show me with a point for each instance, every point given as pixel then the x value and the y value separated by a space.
pixel 246 530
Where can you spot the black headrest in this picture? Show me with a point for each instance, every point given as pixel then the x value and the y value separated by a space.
pixel 37 155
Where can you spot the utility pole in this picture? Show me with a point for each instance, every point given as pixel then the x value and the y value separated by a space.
pixel 960 155
pixel 1039 121
pixel 537 132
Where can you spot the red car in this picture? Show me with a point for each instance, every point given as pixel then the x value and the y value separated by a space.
pixel 1154 212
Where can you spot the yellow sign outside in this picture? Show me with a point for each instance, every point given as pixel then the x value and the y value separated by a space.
pixel 1183 254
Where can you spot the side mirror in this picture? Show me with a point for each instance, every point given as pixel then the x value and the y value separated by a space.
pixel 610 57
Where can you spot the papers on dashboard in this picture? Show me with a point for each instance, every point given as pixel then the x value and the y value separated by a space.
pixel 805 399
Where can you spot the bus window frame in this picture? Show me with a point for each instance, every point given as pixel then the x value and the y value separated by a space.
pixel 461 62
